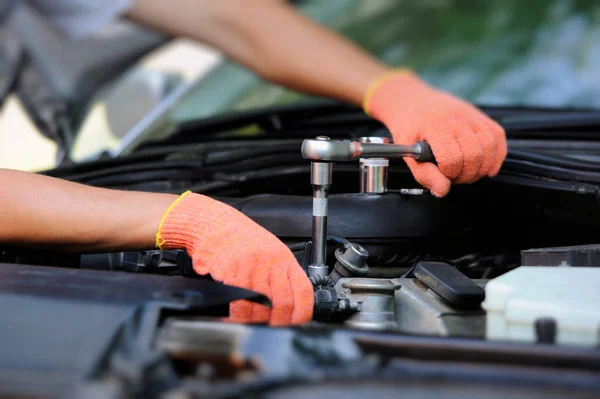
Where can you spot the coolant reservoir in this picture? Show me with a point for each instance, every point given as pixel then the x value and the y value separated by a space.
pixel 566 299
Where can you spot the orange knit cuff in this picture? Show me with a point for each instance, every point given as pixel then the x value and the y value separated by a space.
pixel 160 240
pixel 378 82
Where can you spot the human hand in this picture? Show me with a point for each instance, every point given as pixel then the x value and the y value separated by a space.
pixel 466 143
pixel 235 250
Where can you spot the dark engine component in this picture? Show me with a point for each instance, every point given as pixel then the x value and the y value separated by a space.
pixel 474 219
pixel 450 284
pixel 327 302
pixel 171 262
pixel 582 256
pixel 354 215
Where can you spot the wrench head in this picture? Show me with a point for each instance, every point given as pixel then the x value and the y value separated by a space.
pixel 330 151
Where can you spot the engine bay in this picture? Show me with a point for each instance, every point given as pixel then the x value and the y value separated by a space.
pixel 346 205
pixel 492 263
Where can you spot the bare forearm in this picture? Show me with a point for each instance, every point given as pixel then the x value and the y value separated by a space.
pixel 272 39
pixel 42 211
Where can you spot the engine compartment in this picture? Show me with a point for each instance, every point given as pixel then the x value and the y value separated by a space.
pixel 479 230
pixel 404 294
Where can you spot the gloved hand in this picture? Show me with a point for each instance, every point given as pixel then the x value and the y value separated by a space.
pixel 466 143
pixel 235 250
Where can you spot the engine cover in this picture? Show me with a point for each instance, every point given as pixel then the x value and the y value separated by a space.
pixel 356 215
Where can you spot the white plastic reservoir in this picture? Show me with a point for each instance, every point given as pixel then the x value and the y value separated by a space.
pixel 569 295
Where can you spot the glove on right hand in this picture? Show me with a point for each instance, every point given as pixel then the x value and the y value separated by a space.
pixel 466 143
pixel 232 248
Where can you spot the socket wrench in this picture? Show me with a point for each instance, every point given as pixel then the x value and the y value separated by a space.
pixel 323 152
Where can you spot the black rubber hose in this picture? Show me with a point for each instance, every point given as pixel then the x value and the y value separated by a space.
pixel 262 162
pixel 223 157
pixel 523 180
pixel 550 172
pixel 566 120
pixel 297 247
pixel 187 169
pixel 140 167
pixel 553 160
pixel 125 179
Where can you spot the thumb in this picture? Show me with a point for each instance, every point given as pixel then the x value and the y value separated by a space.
pixel 429 176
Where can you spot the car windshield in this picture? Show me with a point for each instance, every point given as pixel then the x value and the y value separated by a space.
pixel 502 53
pixel 510 53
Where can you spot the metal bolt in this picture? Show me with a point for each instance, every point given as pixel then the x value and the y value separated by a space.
pixel 347 306
pixel 412 191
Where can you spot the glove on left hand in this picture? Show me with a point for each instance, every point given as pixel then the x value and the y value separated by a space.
pixel 232 248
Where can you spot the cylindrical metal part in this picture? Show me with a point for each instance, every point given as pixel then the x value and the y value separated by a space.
pixel 376 299
pixel 373 175
pixel 412 191
pixel 351 262
pixel 320 177
pixel 320 174
pixel 356 256
pixel 374 171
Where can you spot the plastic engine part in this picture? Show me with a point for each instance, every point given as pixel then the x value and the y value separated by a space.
pixel 545 305
pixel 450 284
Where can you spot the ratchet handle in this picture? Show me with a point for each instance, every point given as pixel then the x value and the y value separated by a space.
pixel 426 153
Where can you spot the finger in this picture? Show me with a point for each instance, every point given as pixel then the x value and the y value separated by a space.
pixel 406 136
pixel 203 263
pixel 260 313
pixel 303 294
pixel 472 153
pixel 428 175
pixel 281 294
pixel 261 283
pixel 488 144
pixel 501 147
pixel 201 268
pixel 447 152
pixel 240 311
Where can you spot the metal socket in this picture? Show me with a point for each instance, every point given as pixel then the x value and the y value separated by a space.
pixel 374 171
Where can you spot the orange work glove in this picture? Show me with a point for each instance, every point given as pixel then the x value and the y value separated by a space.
pixel 235 250
pixel 466 143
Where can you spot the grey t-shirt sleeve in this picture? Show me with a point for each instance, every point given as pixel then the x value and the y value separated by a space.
pixel 80 18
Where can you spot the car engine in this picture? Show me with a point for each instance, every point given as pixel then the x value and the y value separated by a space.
pixel 382 253
pixel 409 288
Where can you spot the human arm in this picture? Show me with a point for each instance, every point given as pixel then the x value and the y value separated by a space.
pixel 273 39
pixel 41 211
